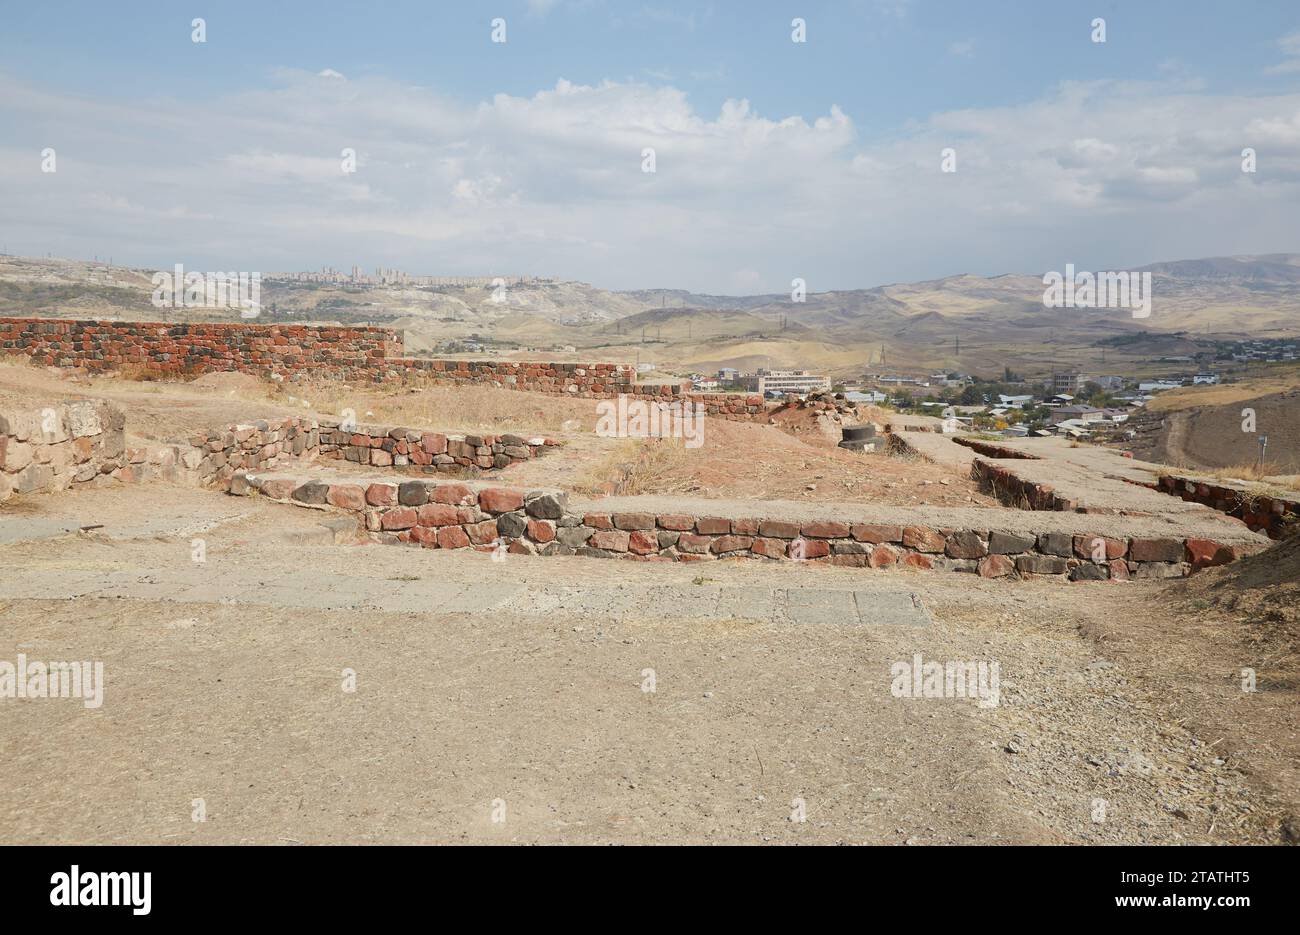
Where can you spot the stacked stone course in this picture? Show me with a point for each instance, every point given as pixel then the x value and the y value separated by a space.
pixel 60 446
pixel 457 515
pixel 1273 515
pixel 429 452
pixel 363 354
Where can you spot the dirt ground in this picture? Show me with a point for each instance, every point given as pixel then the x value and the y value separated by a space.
pixel 737 460
pixel 1118 721
pixel 1211 436
pixel 517 690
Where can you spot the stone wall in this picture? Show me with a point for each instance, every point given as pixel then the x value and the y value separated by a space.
pixel 429 452
pixel 459 515
pixel 1275 516
pixel 1014 491
pixel 177 349
pixel 58 446
pixel 370 354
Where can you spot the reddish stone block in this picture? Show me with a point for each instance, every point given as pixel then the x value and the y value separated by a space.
pixel 278 489
pixel 1156 550
pixel 633 521
pixel 996 566
pixel 712 526
pixel 866 532
pixel 643 541
pixel 918 560
pixel 1083 546
pixel 1203 553
pixel 965 543
pixel 769 548
pixel 598 521
pixel 541 530
pixel 923 539
pixel 346 496
pixel 689 542
pixel 812 548
pixel 380 458
pixel 677 522
pixel 500 500
pixel 776 529
pixel 402 517
pixel 744 527
pixel 852 560
pixel 452 537
pixel 433 444
pixel 882 556
pixel 825 530
pixel 438 514
pixel 611 540
pixel 483 533
pixel 731 544
pixel 455 494
pixel 427 537
pixel 1118 570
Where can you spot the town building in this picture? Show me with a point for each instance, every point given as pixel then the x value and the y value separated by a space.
pixel 1067 382
pixel 799 382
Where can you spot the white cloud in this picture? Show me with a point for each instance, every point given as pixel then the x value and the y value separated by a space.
pixel 1104 172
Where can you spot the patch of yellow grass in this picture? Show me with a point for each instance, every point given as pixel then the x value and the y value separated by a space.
pixel 443 408
pixel 638 466
pixel 1266 479
pixel 1268 379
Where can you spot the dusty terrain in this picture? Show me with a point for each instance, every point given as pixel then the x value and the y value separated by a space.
pixel 519 685
pixel 737 460
pixel 224 681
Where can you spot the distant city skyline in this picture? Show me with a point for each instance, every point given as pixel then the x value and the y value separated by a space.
pixel 773 160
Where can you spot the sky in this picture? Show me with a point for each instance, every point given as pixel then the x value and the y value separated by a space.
pixel 773 159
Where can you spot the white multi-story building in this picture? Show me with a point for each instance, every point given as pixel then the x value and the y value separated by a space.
pixel 790 381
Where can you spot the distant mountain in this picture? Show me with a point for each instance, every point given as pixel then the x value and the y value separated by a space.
pixel 960 322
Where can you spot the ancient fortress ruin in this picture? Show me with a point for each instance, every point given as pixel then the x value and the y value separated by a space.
pixel 420 486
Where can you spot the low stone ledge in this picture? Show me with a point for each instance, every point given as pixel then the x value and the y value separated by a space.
pixel 455 515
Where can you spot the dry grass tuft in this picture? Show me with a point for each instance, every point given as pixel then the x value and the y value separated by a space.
pixel 638 466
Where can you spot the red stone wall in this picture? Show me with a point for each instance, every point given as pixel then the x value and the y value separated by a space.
pixel 349 353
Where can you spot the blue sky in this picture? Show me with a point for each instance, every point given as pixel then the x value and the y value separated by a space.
pixel 773 158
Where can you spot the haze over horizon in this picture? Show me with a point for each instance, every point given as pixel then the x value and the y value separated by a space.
pixel 773 159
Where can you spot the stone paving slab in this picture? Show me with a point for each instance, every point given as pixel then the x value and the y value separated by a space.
pixel 815 606
pixel 892 608
pixel 821 606
pixel 1175 522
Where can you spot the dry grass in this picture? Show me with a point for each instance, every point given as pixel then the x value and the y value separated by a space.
pixel 136 373
pixel 1266 479
pixel 446 408
pixel 638 466
pixel 1260 381
pixel 1252 470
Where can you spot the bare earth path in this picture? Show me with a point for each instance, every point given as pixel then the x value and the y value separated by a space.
pixel 517 688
